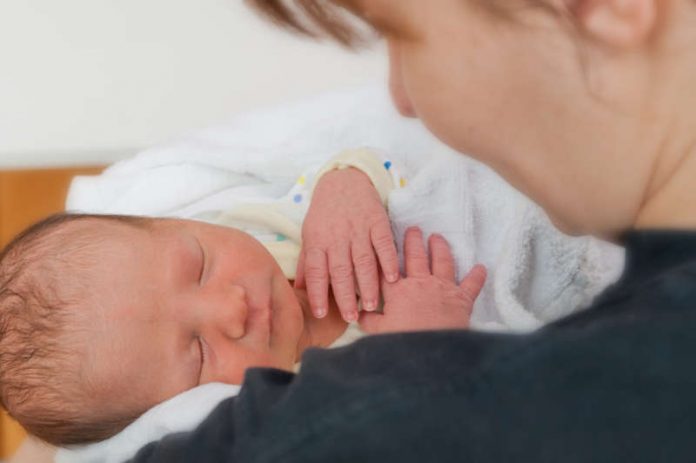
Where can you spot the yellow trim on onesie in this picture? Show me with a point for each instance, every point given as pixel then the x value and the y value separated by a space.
pixel 365 160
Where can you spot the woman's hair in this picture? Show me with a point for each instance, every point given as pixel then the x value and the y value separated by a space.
pixel 326 18
pixel 42 379
pixel 314 18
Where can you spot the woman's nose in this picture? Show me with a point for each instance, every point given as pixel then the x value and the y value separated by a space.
pixel 396 83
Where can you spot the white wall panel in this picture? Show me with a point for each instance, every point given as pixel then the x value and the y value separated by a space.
pixel 84 80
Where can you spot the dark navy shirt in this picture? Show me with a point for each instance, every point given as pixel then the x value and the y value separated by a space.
pixel 614 383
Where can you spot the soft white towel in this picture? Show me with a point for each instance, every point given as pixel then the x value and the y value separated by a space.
pixel 181 413
pixel 536 273
pixel 251 158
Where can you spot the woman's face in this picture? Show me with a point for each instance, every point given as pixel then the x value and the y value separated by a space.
pixel 516 94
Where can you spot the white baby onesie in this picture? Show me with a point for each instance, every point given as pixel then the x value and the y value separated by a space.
pixel 277 224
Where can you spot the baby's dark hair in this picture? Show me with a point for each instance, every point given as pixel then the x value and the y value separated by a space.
pixel 41 384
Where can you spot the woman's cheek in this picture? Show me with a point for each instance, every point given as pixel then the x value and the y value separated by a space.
pixel 397 89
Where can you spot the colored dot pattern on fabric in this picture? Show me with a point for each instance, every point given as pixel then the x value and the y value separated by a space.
pixel 297 198
pixel 302 180
pixel 281 237
pixel 402 182
pixel 387 165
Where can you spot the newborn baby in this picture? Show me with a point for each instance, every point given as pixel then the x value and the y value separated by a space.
pixel 103 317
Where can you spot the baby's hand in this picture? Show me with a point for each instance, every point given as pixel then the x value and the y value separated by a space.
pixel 429 297
pixel 346 232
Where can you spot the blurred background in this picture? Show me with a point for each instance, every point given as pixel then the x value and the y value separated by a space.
pixel 84 83
pixel 90 80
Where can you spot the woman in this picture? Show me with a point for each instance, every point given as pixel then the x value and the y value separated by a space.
pixel 584 105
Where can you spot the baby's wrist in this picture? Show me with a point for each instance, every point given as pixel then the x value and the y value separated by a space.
pixel 379 171
pixel 344 173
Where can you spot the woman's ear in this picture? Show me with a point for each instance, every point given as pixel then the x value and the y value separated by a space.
pixel 617 23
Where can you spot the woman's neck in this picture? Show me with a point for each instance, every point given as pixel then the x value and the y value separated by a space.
pixel 318 332
pixel 671 201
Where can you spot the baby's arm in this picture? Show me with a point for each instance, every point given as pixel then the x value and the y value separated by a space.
pixel 346 232
pixel 428 298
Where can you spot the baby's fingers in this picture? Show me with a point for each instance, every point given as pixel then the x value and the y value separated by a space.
pixel 442 262
pixel 343 281
pixel 316 277
pixel 415 255
pixel 473 282
pixel 366 273
pixel 383 243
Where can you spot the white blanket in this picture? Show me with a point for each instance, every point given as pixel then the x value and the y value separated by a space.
pixel 536 273
pixel 180 413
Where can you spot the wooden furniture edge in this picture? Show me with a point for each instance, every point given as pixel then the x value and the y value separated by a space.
pixel 26 196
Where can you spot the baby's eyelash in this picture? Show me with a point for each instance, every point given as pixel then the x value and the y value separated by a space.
pixel 200 276
pixel 204 354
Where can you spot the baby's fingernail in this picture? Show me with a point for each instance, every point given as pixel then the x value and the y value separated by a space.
pixel 350 316
pixel 320 312
pixel 370 306
pixel 392 277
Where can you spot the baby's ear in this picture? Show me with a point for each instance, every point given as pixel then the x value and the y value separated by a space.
pixel 617 23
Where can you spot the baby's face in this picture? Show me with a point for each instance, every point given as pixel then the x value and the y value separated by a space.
pixel 183 304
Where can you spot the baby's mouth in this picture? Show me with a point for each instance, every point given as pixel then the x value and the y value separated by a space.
pixel 261 319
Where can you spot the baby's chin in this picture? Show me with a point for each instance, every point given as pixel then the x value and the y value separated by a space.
pixel 319 332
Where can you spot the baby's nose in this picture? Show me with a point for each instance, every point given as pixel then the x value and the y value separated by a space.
pixel 235 311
